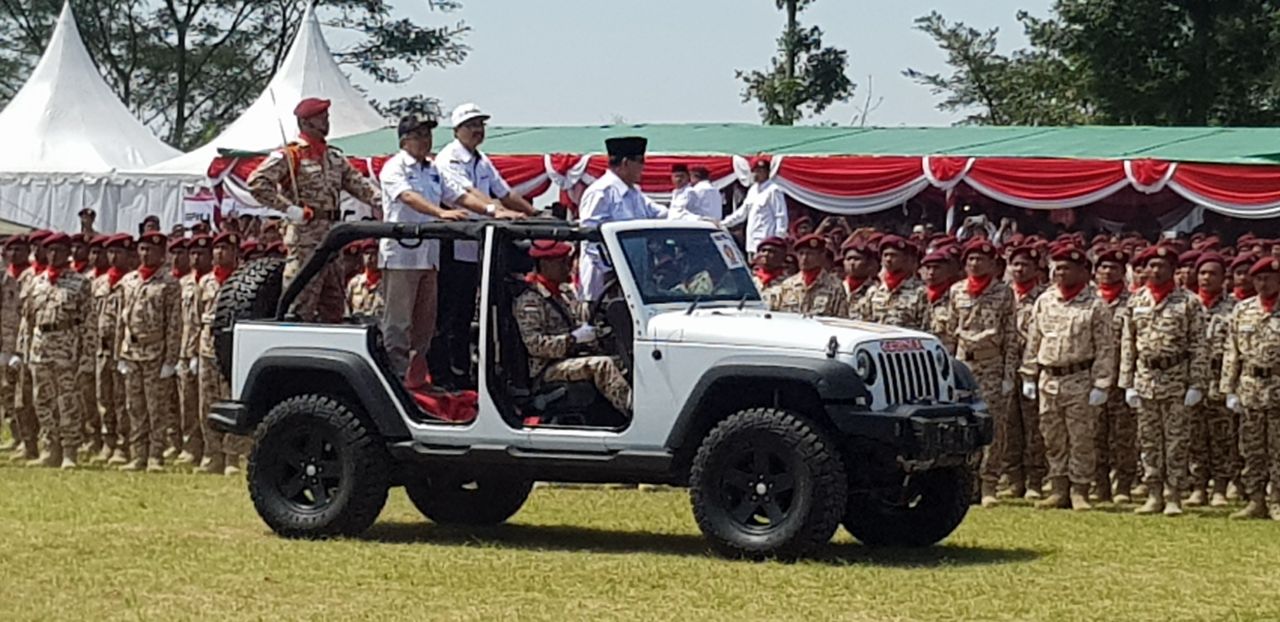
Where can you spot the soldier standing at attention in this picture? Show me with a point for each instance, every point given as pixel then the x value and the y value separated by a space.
pixel 981 318
pixel 935 272
pixel 898 299
pixel 304 180
pixel 1251 382
pixel 56 310
pixel 179 267
pixel 1163 364
pixel 23 424
pixel 94 266
pixel 1070 362
pixel 107 294
pixel 1213 435
pixel 148 339
pixel 1117 440
pixel 1024 461
pixel 200 249
pixel 861 266
pixel 813 290
pixel 221 453
pixel 770 269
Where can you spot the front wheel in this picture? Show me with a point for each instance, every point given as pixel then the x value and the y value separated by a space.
pixel 924 511
pixel 767 483
pixel 317 470
pixel 450 499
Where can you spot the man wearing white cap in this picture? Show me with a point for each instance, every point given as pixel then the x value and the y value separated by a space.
pixel 464 164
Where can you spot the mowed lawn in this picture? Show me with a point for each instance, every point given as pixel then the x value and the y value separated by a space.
pixel 95 545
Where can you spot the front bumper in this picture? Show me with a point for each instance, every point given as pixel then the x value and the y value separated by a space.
pixel 230 418
pixel 919 432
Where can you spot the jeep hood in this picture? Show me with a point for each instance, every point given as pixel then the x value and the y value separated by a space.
pixel 763 329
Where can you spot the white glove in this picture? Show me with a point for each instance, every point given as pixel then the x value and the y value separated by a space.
pixel 195 365
pixel 1029 389
pixel 1132 398
pixel 1233 403
pixel 15 360
pixel 584 334
pixel 293 213
pixel 166 371
pixel 1097 397
pixel 1193 397
pixel 181 367
pixel 1006 387
pixel 124 367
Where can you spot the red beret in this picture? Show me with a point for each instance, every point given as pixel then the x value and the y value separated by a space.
pixel 310 107
pixel 99 241
pixel 153 237
pixel 178 244
pixel 1243 259
pixel 1188 258
pixel 1266 265
pixel 227 237
pixel 1211 242
pixel 54 239
pixel 1113 254
pixel 938 256
pixel 982 247
pixel 1210 257
pixel 898 242
pixel 200 241
pixel 861 246
pixel 1069 252
pixel 1153 252
pixel 15 240
pixel 249 246
pixel 760 161
pixel 1030 251
pixel 120 240
pixel 354 248
pixel 39 234
pixel 772 242
pixel 812 241
pixel 550 249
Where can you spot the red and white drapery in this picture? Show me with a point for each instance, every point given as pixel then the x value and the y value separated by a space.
pixel 866 184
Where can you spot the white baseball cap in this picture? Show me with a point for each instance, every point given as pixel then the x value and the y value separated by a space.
pixel 467 112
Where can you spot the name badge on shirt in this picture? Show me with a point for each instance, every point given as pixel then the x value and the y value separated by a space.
pixel 1141 310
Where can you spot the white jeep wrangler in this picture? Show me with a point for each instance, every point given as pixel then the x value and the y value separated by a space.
pixel 782 426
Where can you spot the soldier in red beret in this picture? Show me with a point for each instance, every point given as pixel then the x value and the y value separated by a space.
pixel 899 298
pixel 107 294
pixel 1117 423
pixel 1024 461
pixel 221 452
pixel 364 292
pixel 861 270
pixel 303 180
pixel 814 290
pixel 1213 452
pixel 936 270
pixel 191 433
pixel 770 268
pixel 1242 285
pixel 1185 275
pixel 15 381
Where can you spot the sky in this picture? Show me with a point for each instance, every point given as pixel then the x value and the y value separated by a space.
pixel 586 62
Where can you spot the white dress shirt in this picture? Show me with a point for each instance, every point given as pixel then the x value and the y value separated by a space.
pixel 765 212
pixel 471 170
pixel 609 199
pixel 707 202
pixel 403 173
pixel 681 198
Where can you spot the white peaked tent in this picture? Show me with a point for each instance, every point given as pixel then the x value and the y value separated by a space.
pixel 66 138
pixel 308 70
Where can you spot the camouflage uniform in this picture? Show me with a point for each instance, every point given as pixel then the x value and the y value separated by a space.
pixel 219 448
pixel 938 321
pixel 110 396
pixel 857 296
pixel 1251 370
pixel 1162 354
pixel 1071 349
pixel 1213 452
pixel 55 313
pixel 22 417
pixel 364 299
pixel 1117 439
pixel 1024 458
pixel 546 320
pixel 188 377
pixel 87 385
pixel 148 339
pixel 768 292
pixel 984 331
pixel 904 307
pixel 319 184
pixel 825 297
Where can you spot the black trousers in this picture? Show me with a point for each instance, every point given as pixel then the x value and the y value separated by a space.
pixel 450 356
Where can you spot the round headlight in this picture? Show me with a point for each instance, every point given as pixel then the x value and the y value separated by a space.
pixel 944 362
pixel 864 367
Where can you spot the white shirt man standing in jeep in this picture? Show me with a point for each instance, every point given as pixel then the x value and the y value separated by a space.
pixel 615 197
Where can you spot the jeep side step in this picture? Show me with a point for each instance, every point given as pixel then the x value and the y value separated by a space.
pixel 564 466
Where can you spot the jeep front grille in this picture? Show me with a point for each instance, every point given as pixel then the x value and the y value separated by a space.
pixel 909 376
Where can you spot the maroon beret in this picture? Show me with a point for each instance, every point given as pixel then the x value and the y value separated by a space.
pixel 1210 257
pixel 178 244
pixel 1153 252
pixel 1113 254
pixel 1069 252
pixel 36 236
pixel 1030 251
pixel 353 248
pixel 54 239
pixel 938 256
pixel 550 249
pixel 154 237
pixel 200 241
pixel 15 240
pixel 772 242
pixel 99 241
pixel 227 237
pixel 1266 265
pixel 310 107
pixel 898 242
pixel 812 241
pixel 1188 258
pixel 981 247
pixel 120 240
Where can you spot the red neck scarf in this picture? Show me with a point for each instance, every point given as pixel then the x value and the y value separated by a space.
pixel 53 273
pixel 1025 287
pixel 536 278
pixel 1269 304
pixel 853 283
pixel 893 280
pixel 200 275
pixel 810 276
pixel 177 274
pixel 975 285
pixel 146 272
pixel 766 275
pixel 98 271
pixel 39 267
pixel 316 146
pixel 114 275
pixel 1160 291
pixel 1241 294
pixel 221 274
pixel 1070 293
pixel 1111 291
pixel 936 292
pixel 79 266
pixel 16 269
pixel 1208 299
pixel 372 276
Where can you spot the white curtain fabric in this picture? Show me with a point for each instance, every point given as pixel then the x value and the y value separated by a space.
pixel 53 201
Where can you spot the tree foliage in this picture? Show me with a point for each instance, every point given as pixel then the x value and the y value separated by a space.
pixel 1126 62
pixel 188 68
pixel 804 79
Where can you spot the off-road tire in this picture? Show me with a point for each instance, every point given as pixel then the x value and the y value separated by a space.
pixel 937 503
pixel 250 293
pixel 353 468
pixel 449 499
pixel 800 448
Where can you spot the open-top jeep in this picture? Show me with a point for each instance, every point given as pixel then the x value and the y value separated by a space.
pixel 783 426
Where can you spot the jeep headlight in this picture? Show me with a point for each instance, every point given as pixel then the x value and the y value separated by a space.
pixel 944 362
pixel 864 367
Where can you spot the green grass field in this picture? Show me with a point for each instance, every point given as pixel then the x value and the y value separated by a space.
pixel 93 545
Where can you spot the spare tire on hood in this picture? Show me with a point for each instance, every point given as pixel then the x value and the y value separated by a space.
pixel 252 292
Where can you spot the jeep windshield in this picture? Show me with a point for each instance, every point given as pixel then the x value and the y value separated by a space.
pixel 684 265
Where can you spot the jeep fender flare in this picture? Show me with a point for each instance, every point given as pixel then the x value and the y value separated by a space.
pixel 291 365
pixel 834 382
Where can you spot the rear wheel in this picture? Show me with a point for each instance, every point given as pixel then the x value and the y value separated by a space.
pixel 252 292
pixel 767 483
pixel 923 512
pixel 317 470
pixel 452 499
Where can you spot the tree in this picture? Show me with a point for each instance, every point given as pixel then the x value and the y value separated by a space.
pixel 806 78
pixel 188 68
pixel 1145 62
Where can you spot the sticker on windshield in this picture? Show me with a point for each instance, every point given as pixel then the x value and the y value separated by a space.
pixel 728 250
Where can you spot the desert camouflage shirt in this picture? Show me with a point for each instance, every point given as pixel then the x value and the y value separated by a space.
pixel 1067 333
pixel 983 329
pixel 546 320
pixel 150 326
pixel 825 297
pixel 55 311
pixel 1162 346
pixel 905 307
pixel 1251 358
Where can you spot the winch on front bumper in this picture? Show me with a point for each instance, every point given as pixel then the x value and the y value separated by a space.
pixel 924 435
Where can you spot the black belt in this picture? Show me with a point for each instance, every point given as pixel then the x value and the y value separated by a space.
pixel 1067 370
pixel 53 327
pixel 1162 363
pixel 1259 372
pixel 973 356
pixel 326 214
